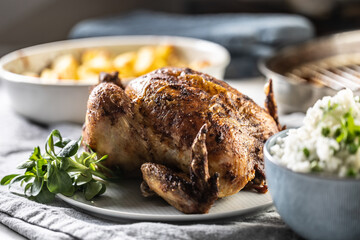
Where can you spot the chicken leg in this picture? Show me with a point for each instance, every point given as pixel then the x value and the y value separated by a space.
pixel 189 195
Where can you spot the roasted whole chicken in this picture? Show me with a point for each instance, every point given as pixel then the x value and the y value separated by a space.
pixel 192 137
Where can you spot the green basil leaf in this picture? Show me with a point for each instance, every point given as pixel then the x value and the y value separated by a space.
pixel 30 173
pixel 57 134
pixel 26 179
pixel 64 164
pixel 18 178
pixel 70 149
pixel 58 181
pixel 41 167
pixel 50 144
pixel 103 189
pixel 62 143
pixel 92 189
pixel 36 154
pixel 27 164
pixel 27 187
pixel 45 196
pixel 7 179
pixel 50 140
pixel 83 178
pixel 69 192
pixel 37 186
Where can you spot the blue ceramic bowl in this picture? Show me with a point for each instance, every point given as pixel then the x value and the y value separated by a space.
pixel 314 206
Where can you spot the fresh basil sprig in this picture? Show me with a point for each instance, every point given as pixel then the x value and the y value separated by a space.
pixel 60 170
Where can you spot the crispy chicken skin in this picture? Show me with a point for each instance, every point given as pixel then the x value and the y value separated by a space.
pixel 190 194
pixel 160 120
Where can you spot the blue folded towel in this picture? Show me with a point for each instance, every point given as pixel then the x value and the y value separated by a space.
pixel 247 36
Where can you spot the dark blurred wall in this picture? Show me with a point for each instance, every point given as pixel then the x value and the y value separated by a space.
pixel 28 22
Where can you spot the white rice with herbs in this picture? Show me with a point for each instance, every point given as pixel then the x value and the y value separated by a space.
pixel 328 141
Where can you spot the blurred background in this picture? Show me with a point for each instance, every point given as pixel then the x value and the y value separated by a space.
pixel 25 23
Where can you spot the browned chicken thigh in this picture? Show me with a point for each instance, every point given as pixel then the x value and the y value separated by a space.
pixel 193 137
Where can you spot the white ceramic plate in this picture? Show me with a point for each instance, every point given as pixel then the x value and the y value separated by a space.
pixel 124 201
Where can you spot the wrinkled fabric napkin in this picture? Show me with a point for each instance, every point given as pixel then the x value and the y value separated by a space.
pixel 248 37
pixel 58 220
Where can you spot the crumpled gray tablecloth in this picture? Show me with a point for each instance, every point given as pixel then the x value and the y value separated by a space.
pixel 58 220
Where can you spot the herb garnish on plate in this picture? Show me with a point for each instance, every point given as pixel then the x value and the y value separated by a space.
pixel 61 169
